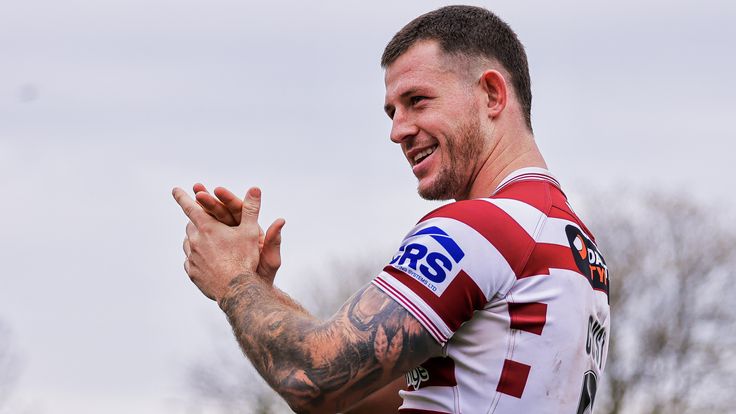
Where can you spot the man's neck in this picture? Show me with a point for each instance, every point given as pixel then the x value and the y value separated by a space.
pixel 509 155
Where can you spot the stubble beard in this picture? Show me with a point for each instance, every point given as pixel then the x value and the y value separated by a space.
pixel 454 178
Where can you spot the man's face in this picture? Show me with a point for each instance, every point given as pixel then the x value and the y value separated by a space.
pixel 436 120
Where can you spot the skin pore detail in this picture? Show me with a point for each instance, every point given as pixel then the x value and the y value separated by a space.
pixel 332 364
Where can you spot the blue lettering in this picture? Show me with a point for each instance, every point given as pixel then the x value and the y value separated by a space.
pixel 398 255
pixel 438 263
pixel 413 253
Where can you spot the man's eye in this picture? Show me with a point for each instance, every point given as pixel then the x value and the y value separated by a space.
pixel 416 99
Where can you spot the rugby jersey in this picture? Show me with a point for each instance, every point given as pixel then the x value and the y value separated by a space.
pixel 515 290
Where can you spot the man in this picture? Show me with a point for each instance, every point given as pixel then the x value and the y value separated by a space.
pixel 495 303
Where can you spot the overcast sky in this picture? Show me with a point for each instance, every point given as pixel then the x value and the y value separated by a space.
pixel 106 105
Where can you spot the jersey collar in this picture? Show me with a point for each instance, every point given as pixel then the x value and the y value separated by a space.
pixel 528 174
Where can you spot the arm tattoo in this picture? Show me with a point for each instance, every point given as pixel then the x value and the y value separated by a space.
pixel 329 364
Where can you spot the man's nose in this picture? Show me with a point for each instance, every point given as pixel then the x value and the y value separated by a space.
pixel 402 127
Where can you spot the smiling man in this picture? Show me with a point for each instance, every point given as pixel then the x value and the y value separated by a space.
pixel 497 302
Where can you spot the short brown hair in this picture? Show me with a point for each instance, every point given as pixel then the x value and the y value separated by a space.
pixel 473 32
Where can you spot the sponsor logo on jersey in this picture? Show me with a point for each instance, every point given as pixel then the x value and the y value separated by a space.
pixel 588 259
pixel 416 377
pixel 431 257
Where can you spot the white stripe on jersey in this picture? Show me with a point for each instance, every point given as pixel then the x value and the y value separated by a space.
pixel 527 216
pixel 447 401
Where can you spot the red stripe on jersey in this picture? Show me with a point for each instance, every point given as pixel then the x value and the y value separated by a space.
pixel 534 193
pixel 500 229
pixel 457 303
pixel 404 301
pixel 441 372
pixel 560 207
pixel 546 256
pixel 563 211
pixel 460 299
pixel 513 378
pixel 529 317
pixel 418 411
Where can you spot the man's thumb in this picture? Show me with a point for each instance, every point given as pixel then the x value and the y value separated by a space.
pixel 270 259
pixel 251 207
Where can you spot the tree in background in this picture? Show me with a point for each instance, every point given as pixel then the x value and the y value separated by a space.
pixel 672 265
pixel 672 262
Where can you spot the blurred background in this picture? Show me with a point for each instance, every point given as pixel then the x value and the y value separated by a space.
pixel 106 105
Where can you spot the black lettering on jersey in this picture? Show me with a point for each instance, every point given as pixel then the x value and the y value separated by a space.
pixel 588 259
pixel 587 394
pixel 595 343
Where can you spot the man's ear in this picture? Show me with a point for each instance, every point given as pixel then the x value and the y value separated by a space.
pixel 495 89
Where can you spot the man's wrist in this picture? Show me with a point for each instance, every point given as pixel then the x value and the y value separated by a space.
pixel 236 287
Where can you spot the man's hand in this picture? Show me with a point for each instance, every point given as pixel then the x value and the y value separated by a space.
pixel 227 208
pixel 217 253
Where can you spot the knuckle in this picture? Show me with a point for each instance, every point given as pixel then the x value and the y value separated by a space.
pixel 205 228
pixel 188 210
pixel 251 208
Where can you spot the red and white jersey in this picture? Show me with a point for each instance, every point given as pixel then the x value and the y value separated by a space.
pixel 516 291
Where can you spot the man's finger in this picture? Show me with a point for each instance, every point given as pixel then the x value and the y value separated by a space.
pixel 199 187
pixel 251 207
pixel 191 230
pixel 233 203
pixel 187 248
pixel 215 208
pixel 270 259
pixel 190 207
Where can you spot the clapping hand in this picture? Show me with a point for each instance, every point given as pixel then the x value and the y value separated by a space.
pixel 227 208
pixel 221 244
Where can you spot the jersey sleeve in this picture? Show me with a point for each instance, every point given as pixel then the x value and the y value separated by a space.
pixel 453 262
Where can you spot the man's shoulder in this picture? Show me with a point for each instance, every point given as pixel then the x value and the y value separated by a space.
pixel 458 210
pixel 490 212
pixel 505 224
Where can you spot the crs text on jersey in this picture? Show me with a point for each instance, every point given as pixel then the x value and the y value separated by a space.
pixel 434 261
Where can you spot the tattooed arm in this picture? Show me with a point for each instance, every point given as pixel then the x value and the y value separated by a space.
pixel 325 366
pixel 317 366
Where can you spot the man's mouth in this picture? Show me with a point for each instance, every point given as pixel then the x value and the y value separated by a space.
pixel 421 156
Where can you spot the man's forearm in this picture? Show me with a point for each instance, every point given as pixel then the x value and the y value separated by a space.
pixel 332 364
pixel 268 325
pixel 287 301
pixel 295 352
